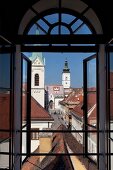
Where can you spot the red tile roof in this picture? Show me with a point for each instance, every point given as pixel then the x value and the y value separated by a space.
pixel 31 162
pixel 37 111
pixel 77 110
pixel 52 162
pixel 73 99
pixel 76 147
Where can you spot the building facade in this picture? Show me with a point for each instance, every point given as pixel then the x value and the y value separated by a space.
pixel 37 78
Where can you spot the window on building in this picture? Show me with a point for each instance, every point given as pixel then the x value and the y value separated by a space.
pixel 36 79
pixel 35 134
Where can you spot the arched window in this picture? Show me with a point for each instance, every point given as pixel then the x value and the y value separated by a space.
pixel 62 19
pixel 36 79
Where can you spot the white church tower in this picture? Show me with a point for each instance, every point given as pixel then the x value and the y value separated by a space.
pixel 66 82
pixel 38 77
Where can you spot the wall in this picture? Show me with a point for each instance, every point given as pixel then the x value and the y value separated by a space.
pixel 39 96
pixel 77 125
pixel 38 92
pixel 57 105
pixel 40 125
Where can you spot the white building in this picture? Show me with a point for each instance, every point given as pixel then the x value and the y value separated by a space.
pixel 40 119
pixel 77 124
pixel 55 94
pixel 38 77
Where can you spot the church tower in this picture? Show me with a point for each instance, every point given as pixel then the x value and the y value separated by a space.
pixel 66 76
pixel 38 77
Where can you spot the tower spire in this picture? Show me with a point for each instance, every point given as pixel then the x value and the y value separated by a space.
pixel 66 69
pixel 66 75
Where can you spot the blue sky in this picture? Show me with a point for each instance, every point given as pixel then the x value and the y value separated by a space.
pixel 54 64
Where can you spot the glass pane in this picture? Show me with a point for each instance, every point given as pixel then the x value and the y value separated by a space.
pixel 92 143
pixel 4 110
pixel 91 75
pixel 66 18
pixel 54 30
pixel 83 30
pixel 43 25
pixel 4 160
pixel 112 158
pixel 24 108
pixel 111 126
pixel 24 143
pixel 64 30
pixel 111 70
pixel 35 138
pixel 52 18
pixel 24 93
pixel 24 83
pixel 5 70
pixel 92 109
pixel 76 24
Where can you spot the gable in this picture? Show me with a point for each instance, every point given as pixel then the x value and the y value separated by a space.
pixel 37 61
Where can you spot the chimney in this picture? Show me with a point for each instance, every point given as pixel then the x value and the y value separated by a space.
pixel 45 140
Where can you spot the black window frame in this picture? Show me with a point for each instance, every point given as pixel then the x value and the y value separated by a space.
pixel 85 106
pixel 109 50
pixel 9 48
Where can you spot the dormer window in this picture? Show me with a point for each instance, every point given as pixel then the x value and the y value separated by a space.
pixel 36 79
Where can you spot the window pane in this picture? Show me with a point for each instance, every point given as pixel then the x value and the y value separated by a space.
pixel 83 30
pixel 24 143
pixel 112 158
pixel 76 24
pixel 24 108
pixel 34 138
pixel 52 18
pixel 111 112
pixel 91 75
pixel 4 111
pixel 66 18
pixel 4 161
pixel 43 24
pixel 92 109
pixel 92 143
pixel 4 147
pixel 111 70
pixel 24 93
pixel 5 70
pixel 24 82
